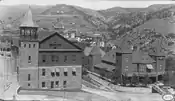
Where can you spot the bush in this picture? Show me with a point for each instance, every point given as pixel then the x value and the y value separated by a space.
pixel 84 71
pixel 146 80
pixel 134 79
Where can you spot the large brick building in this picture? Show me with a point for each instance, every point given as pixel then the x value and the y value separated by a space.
pixel 128 62
pixel 47 59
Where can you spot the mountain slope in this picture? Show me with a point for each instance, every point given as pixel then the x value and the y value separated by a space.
pixel 17 10
pixel 80 17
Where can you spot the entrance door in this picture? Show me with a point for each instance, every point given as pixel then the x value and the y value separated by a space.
pixel 52 84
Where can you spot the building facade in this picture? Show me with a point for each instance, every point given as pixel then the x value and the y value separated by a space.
pixel 47 59
pixel 129 62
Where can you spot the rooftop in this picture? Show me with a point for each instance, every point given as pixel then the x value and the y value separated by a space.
pixel 28 20
pixel 141 57
pixel 94 50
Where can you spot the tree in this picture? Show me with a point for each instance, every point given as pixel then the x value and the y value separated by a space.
pixel 116 78
pixel 125 80
pixel 166 78
pixel 146 80
pixel 134 79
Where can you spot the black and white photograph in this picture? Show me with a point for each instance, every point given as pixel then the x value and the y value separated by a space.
pixel 87 50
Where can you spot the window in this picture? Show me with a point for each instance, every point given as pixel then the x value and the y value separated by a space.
pixel 24 45
pixel 126 68
pixel 53 58
pixel 74 73
pixel 57 58
pixel 43 84
pixel 57 83
pixel 127 59
pixel 52 74
pixel 44 58
pixel 142 68
pixel 65 58
pixel 29 45
pixel 28 77
pixel 54 45
pixel 52 84
pixel 57 73
pixel 160 67
pixel 29 59
pixel 65 73
pixel 64 83
pixel 43 72
pixel 33 45
pixel 28 84
pixel 73 58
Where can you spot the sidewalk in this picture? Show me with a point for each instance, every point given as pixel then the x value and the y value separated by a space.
pixel 59 95
pixel 113 87
pixel 9 88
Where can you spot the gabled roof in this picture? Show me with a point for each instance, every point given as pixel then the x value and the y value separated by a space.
pixel 94 50
pixel 97 51
pixel 141 57
pixel 28 20
pixel 51 34
pixel 42 34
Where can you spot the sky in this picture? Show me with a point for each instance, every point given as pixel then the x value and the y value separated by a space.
pixel 93 4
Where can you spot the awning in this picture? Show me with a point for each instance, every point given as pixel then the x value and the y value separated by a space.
pixel 57 70
pixel 74 69
pixel 149 66
pixel 65 69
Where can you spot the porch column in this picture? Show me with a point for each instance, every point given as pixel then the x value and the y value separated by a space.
pixel 157 77
pixel 138 70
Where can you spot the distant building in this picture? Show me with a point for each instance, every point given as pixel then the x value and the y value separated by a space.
pixel 92 56
pixel 123 61
pixel 107 64
pixel 47 59
pixel 8 60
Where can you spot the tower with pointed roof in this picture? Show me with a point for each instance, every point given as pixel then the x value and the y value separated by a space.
pixel 28 28
pixel 28 50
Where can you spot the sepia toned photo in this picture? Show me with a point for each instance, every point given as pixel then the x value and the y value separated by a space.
pixel 87 50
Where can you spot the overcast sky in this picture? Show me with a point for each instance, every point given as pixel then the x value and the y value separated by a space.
pixel 93 4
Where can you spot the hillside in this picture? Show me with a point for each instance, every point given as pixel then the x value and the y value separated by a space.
pixel 163 26
pixel 115 20
pixel 85 20
pixel 13 12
